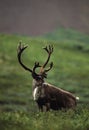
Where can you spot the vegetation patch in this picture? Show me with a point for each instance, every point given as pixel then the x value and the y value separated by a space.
pixel 70 72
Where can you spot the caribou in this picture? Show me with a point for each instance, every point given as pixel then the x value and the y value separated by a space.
pixel 47 96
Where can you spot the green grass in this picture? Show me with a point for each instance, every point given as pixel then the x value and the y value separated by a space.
pixel 74 120
pixel 70 72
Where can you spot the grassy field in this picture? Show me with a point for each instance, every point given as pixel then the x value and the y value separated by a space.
pixel 70 72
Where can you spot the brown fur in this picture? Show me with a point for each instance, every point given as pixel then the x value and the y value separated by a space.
pixel 55 98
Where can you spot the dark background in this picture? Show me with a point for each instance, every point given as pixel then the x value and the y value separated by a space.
pixel 37 17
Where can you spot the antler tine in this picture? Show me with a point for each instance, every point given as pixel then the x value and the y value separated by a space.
pixel 51 65
pixel 36 65
pixel 49 50
pixel 21 47
pixel 45 48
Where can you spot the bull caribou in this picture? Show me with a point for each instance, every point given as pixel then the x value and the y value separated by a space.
pixel 46 95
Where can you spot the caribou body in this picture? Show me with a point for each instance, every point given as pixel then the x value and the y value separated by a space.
pixel 45 94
